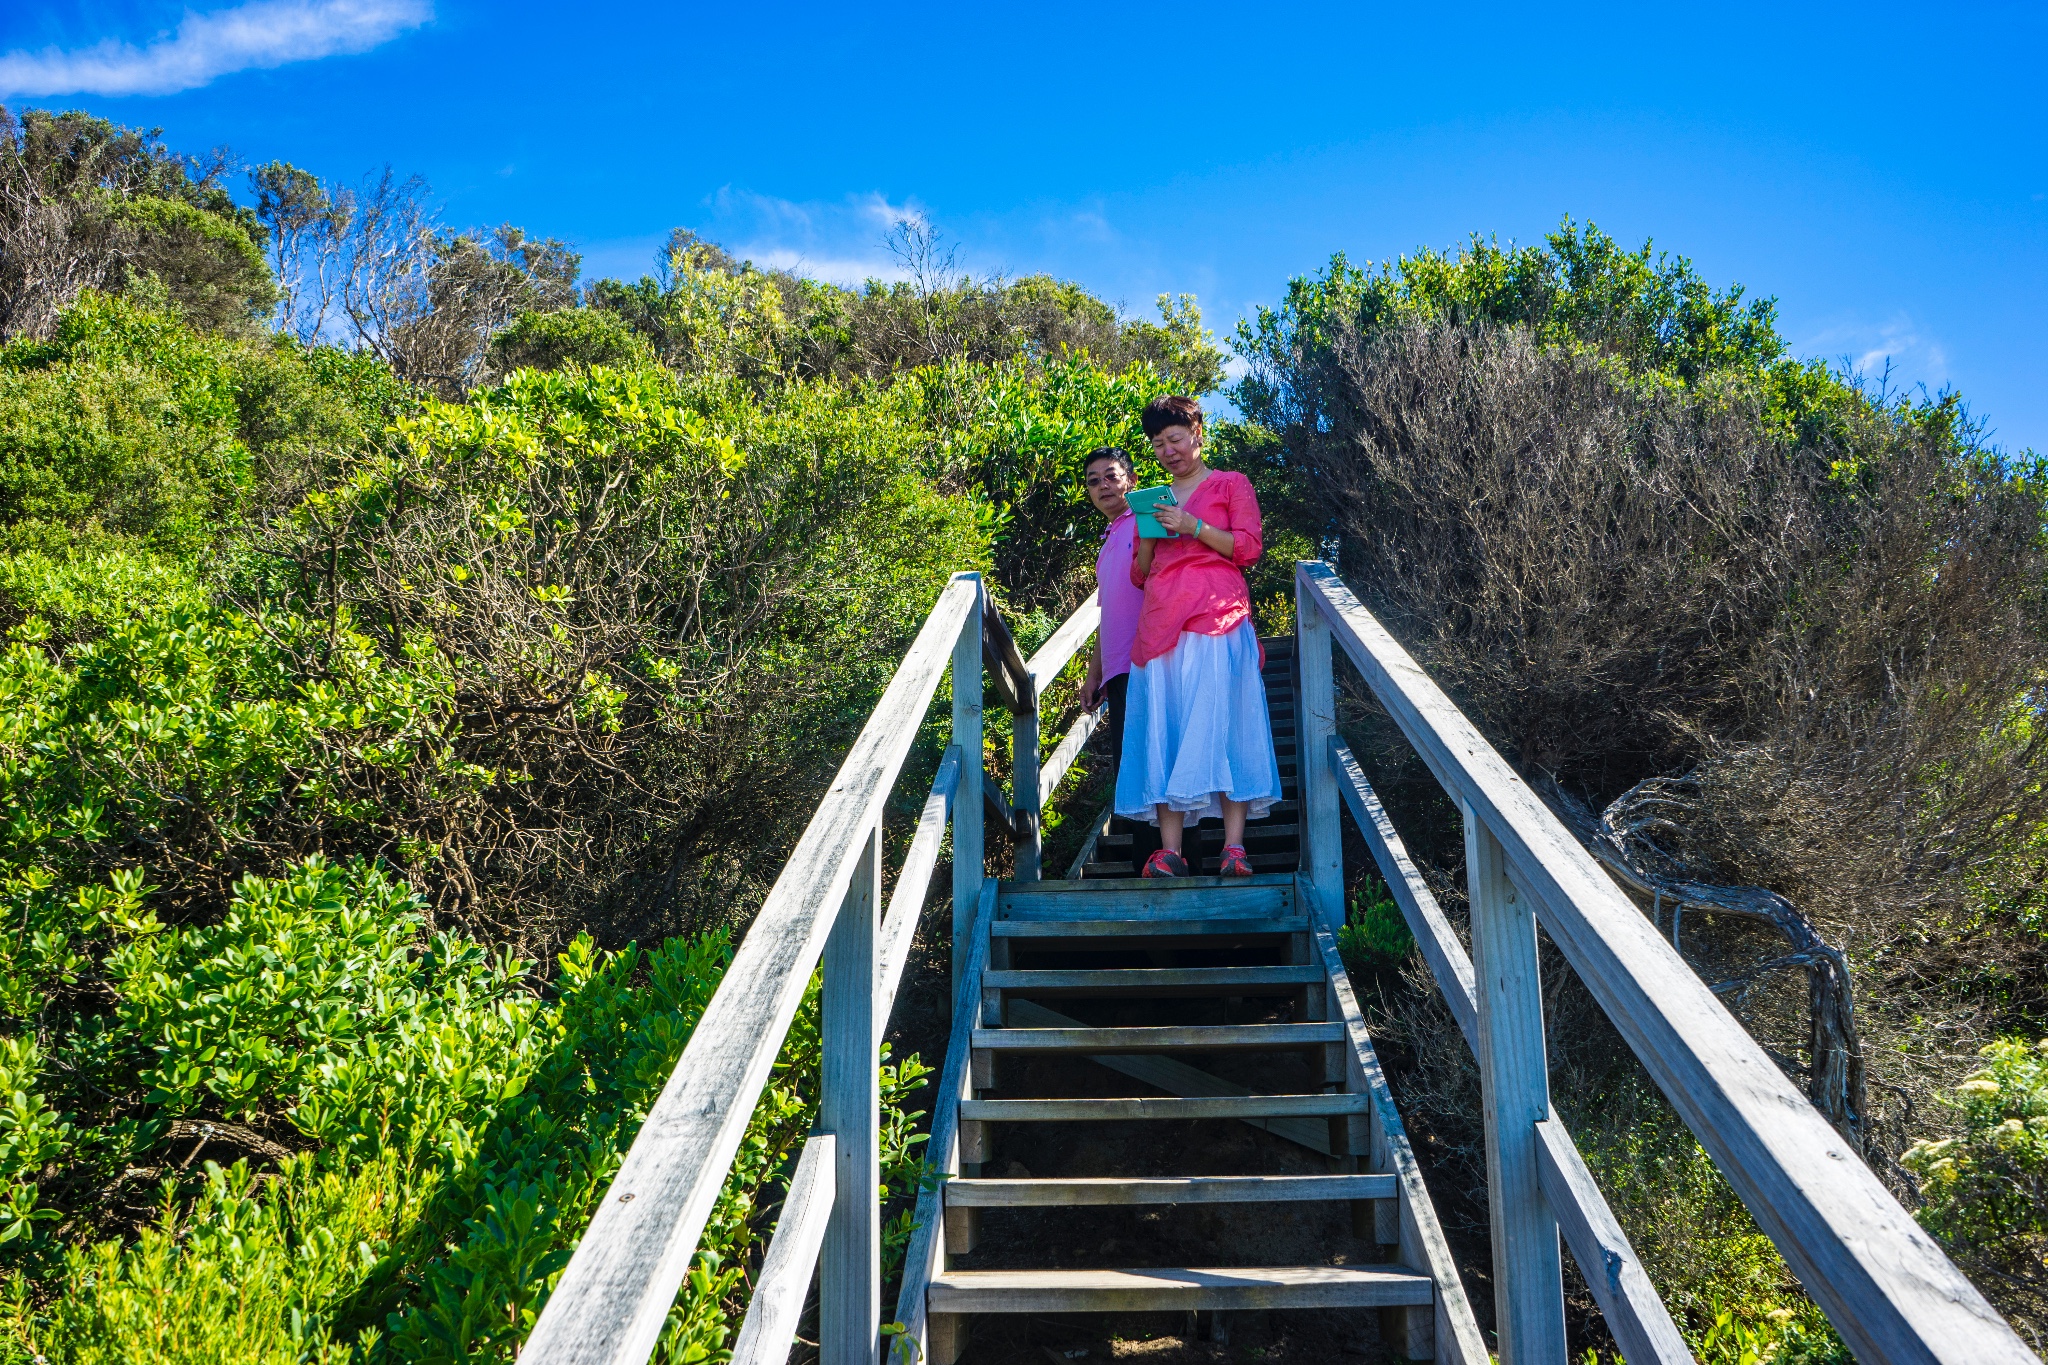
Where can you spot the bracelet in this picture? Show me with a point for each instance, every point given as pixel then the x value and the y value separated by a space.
pixel 1200 526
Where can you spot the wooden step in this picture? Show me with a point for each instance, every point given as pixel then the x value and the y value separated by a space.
pixel 1007 891
pixel 1204 835
pixel 1201 1189
pixel 1154 981
pixel 1139 928
pixel 1153 1107
pixel 1191 1037
pixel 1145 1291
pixel 1257 860
pixel 1180 898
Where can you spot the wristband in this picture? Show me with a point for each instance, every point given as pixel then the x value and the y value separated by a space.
pixel 1200 526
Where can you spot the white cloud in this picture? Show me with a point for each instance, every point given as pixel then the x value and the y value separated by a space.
pixel 254 36
pixel 843 241
pixel 1868 347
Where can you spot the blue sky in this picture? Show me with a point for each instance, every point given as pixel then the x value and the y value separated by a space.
pixel 1882 171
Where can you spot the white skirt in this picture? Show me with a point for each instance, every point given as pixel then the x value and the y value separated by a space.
pixel 1195 731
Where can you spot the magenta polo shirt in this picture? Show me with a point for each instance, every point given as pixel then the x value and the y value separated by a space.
pixel 1121 599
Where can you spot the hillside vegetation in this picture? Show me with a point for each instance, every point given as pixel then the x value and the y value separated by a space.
pixel 419 659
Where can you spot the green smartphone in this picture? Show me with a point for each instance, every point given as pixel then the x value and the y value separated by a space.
pixel 1143 501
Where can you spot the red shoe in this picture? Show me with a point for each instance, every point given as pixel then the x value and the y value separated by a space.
pixel 1166 863
pixel 1236 862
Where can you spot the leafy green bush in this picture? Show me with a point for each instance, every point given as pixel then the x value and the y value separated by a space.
pixel 212 273
pixel 1017 434
pixel 1732 1295
pixel 565 336
pixel 128 421
pixel 445 1134
pixel 1985 1190
pixel 1374 932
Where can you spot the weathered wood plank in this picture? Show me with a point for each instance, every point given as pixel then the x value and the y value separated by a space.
pixel 1178 1078
pixel 1640 1310
pixel 1063 757
pixel 1112 887
pixel 968 846
pixel 1006 670
pixel 614 1296
pixel 1152 1291
pixel 1208 1189
pixel 1052 929
pixel 1433 933
pixel 1887 1287
pixel 1635 1315
pixel 1055 653
pixel 1078 869
pixel 996 805
pixel 1160 1038
pixel 926 1254
pixel 1191 903
pixel 1451 1331
pixel 1155 981
pixel 1153 1107
pixel 1024 794
pixel 850 1263
pixel 913 882
pixel 1322 839
pixel 769 1329
pixel 1514 1082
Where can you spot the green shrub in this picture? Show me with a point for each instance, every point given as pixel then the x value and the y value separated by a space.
pixel 569 336
pixel 128 421
pixel 1374 932
pixel 1985 1191
pixel 454 1134
pixel 1731 1294
pixel 213 274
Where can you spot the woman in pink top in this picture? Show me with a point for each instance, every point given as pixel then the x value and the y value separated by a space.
pixel 1197 742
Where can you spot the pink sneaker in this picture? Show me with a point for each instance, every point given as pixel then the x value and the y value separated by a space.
pixel 1166 863
pixel 1236 862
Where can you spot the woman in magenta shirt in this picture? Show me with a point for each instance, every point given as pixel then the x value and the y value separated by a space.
pixel 1197 741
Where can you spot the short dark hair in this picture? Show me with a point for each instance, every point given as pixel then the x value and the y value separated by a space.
pixel 1171 410
pixel 1110 453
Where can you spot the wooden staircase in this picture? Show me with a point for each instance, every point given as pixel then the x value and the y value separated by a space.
pixel 1162 1097
pixel 1121 846
pixel 1152 1068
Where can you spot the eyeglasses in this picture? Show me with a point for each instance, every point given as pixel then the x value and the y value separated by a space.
pixel 1098 480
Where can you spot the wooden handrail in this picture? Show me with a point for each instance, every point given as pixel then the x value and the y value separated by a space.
pixel 913 880
pixel 1883 1282
pixel 1064 643
pixel 1069 749
pixel 1006 667
pixel 1452 1332
pixel 921 1257
pixel 612 1300
pixel 1637 1317
pixel 785 1278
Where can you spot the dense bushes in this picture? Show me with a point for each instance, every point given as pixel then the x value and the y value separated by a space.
pixel 439 1132
pixel 125 421
pixel 1987 1187
pixel 1641 547
pixel 324 697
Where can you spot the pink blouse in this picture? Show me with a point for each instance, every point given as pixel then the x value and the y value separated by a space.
pixel 1192 587
pixel 1121 600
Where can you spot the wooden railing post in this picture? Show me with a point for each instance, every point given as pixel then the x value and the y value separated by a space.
pixel 1322 846
pixel 967 832
pixel 1514 1079
pixel 850 1263
pixel 1024 794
